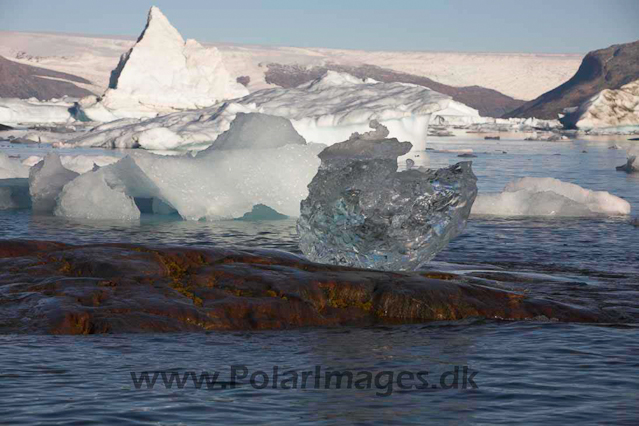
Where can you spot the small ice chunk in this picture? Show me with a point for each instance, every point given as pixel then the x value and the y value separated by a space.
pixel 262 212
pixel 361 212
pixel 46 180
pixel 90 196
pixel 549 197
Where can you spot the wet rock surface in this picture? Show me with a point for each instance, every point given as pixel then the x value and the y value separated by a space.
pixel 54 288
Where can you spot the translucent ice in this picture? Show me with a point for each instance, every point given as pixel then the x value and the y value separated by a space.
pixel 46 180
pixel 361 212
pixel 549 197
pixel 259 131
pixel 216 184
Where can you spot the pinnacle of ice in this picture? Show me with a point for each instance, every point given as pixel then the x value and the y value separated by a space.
pixel 162 73
pixel 362 212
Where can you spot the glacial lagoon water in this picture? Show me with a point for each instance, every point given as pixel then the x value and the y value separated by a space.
pixel 535 372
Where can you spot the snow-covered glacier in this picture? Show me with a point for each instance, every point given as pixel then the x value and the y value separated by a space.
pixel 160 74
pixel 362 212
pixel 549 197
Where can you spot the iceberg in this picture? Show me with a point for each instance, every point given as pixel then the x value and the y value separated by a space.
pixel 616 109
pixel 326 110
pixel 187 130
pixel 221 182
pixel 30 111
pixel 160 74
pixel 549 197
pixel 362 212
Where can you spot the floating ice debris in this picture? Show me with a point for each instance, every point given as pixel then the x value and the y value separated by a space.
pixel 632 165
pixel 549 197
pixel 262 212
pixel 362 212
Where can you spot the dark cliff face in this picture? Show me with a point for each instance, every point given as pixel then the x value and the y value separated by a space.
pixel 25 81
pixel 608 68
pixel 489 102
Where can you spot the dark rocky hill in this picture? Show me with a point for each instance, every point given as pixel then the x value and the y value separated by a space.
pixel 25 81
pixel 608 68
pixel 489 102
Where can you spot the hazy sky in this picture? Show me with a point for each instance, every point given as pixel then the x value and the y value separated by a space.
pixel 464 25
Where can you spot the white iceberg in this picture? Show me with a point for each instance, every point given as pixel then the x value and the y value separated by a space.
pixel 160 74
pixel 327 110
pixel 615 109
pixel 189 130
pixel 331 108
pixel 549 197
pixel 216 184
pixel 29 111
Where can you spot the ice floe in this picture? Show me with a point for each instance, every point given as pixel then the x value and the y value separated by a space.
pixel 549 197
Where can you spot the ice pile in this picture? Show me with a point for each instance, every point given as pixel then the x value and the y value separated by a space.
pixel 549 197
pixel 608 109
pixel 222 182
pixel 362 212
pixel 160 74
pixel 326 110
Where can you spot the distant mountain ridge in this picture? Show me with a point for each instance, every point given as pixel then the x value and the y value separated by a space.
pixel 608 68
pixel 26 81
pixel 489 102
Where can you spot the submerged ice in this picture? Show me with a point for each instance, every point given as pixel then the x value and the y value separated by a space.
pixel 549 197
pixel 362 212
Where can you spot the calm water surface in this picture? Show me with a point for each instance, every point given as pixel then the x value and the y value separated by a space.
pixel 531 372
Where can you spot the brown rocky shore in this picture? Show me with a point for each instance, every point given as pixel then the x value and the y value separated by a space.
pixel 55 288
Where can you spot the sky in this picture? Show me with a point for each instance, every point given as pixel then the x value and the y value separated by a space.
pixel 534 26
